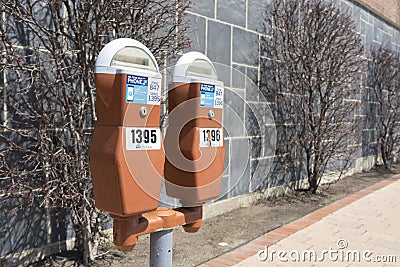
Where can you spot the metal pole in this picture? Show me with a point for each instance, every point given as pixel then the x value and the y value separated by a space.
pixel 161 248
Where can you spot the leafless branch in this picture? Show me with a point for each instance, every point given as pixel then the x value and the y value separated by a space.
pixel 49 50
pixel 315 59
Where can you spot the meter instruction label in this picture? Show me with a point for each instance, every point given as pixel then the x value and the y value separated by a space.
pixel 143 90
pixel 211 96
pixel 211 137
pixel 140 138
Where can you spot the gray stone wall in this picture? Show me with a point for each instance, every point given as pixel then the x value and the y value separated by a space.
pixel 229 32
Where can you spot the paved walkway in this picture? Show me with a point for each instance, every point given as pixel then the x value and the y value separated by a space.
pixel 362 229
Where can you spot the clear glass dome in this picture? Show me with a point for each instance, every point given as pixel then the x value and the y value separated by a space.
pixel 201 68
pixel 133 57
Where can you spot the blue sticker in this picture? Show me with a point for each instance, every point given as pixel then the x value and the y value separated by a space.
pixel 136 89
pixel 207 93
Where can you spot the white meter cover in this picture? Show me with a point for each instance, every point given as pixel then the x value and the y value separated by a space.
pixel 194 66
pixel 125 54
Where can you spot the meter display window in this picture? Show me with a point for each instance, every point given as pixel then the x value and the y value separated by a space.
pixel 133 57
pixel 201 68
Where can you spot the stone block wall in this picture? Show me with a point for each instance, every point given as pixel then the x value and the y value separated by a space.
pixel 230 31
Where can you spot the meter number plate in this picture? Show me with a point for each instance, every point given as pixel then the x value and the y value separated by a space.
pixel 140 138
pixel 211 137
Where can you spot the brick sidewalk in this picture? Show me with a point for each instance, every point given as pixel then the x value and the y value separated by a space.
pixel 367 220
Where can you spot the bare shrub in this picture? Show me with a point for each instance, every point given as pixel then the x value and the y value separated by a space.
pixel 384 71
pixel 49 50
pixel 313 61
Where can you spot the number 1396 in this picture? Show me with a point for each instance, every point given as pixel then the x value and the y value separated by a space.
pixel 211 137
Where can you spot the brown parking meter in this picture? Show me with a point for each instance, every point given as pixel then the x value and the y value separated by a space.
pixel 194 144
pixel 126 153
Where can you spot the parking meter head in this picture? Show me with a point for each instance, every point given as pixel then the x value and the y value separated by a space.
pixel 126 153
pixel 125 70
pixel 194 145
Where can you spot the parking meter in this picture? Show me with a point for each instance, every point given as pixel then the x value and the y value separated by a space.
pixel 126 153
pixel 194 143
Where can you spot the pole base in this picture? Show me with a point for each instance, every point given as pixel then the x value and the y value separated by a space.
pixel 128 229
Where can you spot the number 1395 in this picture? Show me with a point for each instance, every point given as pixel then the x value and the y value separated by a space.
pixel 144 136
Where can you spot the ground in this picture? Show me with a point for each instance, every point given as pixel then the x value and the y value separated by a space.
pixel 225 232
